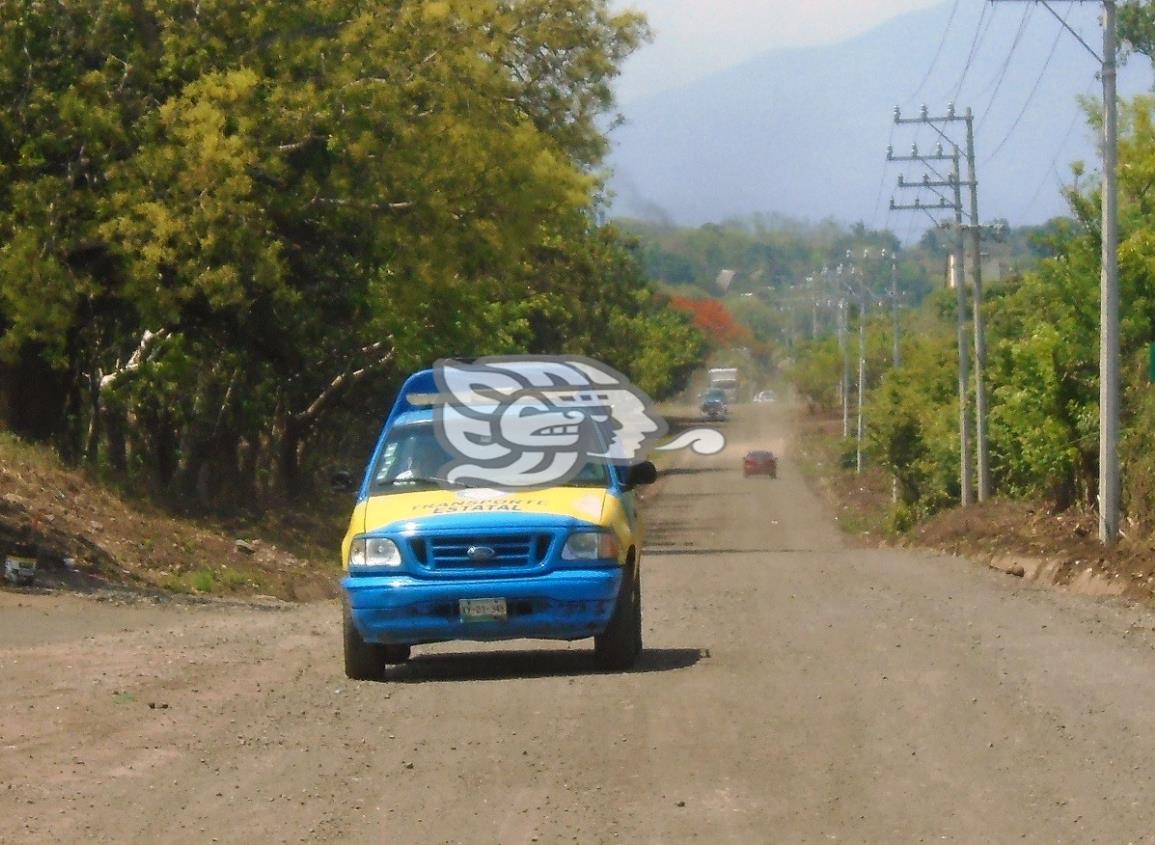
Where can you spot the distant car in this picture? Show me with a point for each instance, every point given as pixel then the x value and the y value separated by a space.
pixel 765 396
pixel 714 408
pixel 760 462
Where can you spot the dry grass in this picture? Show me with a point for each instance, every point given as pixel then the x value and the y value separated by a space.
pixel 86 534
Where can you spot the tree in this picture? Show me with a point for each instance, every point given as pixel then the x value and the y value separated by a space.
pixel 714 320
pixel 230 225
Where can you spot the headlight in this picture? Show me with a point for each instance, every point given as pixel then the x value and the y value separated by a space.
pixel 373 551
pixel 591 545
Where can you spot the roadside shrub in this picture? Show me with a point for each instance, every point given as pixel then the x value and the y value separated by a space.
pixel 202 581
pixel 913 418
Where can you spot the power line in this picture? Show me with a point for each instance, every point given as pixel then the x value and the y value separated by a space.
pixel 1002 75
pixel 1110 487
pixel 937 53
pixel 1030 96
pixel 881 183
pixel 1052 169
pixel 980 34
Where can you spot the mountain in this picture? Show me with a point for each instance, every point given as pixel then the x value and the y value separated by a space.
pixel 804 132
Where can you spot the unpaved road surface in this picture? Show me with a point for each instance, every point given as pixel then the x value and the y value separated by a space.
pixel 794 689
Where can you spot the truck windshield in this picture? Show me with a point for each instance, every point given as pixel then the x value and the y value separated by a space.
pixel 413 457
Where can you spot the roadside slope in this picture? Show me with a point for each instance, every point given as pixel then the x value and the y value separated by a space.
pixel 86 535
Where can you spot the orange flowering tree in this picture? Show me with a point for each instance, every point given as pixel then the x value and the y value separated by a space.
pixel 714 320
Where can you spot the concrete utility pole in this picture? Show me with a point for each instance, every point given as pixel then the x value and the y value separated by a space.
pixel 896 357
pixel 966 494
pixel 952 182
pixel 1110 485
pixel 849 282
pixel 847 286
pixel 861 365
pixel 832 297
pixel 858 291
pixel 842 326
pixel 974 268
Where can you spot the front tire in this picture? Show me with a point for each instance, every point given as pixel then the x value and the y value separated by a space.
pixel 363 661
pixel 620 644
pixel 395 653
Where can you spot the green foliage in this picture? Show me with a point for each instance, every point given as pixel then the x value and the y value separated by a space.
pixel 1043 362
pixel 1136 24
pixel 767 254
pixel 233 226
pixel 913 423
pixel 202 581
pixel 817 371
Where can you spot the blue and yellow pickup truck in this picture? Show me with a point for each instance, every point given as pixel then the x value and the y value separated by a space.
pixel 427 560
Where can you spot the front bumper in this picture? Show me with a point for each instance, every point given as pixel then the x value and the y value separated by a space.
pixel 564 604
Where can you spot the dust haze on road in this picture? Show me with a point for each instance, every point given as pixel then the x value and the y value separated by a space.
pixel 794 688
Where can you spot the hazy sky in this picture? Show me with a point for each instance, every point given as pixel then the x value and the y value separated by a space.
pixel 693 38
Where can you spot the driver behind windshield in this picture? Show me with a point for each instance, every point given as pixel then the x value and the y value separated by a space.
pixel 412 456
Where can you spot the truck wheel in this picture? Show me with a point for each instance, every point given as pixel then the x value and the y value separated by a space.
pixel 363 661
pixel 395 653
pixel 620 644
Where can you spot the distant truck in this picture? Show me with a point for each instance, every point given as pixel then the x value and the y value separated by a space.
pixel 725 379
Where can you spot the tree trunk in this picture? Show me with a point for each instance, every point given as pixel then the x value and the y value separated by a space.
pixel 33 398
pixel 163 445
pixel 289 470
pixel 115 426
pixel 250 450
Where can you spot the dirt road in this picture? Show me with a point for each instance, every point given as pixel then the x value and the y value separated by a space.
pixel 794 689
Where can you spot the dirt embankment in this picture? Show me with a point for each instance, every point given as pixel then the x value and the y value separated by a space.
pixel 1026 540
pixel 1022 539
pixel 85 535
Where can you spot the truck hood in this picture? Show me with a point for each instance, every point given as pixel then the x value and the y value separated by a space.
pixel 430 507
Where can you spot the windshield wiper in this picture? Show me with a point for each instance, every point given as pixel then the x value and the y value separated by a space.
pixel 418 479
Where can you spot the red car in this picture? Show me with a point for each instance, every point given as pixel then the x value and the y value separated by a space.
pixel 760 462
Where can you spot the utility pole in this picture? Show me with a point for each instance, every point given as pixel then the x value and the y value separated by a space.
pixel 858 291
pixel 966 493
pixel 974 272
pixel 843 347
pixel 896 357
pixel 843 325
pixel 896 353
pixel 1109 472
pixel 1110 484
pixel 953 182
pixel 861 364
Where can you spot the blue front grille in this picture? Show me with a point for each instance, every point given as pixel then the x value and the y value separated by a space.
pixel 510 551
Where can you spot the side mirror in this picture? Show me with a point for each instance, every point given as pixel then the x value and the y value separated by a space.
pixel 643 473
pixel 341 481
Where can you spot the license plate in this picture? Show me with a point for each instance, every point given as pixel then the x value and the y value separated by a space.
pixel 20 570
pixel 482 610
